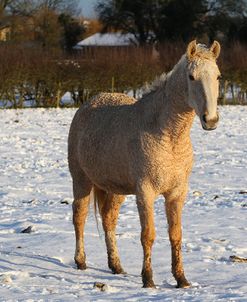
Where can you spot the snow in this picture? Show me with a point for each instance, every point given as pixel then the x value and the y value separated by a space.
pixel 35 190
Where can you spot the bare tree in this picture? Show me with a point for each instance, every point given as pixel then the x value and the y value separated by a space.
pixel 3 5
pixel 29 7
pixel 23 7
pixel 62 6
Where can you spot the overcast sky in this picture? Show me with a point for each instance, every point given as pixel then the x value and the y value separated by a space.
pixel 87 7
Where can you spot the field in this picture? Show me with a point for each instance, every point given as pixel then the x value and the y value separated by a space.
pixel 35 192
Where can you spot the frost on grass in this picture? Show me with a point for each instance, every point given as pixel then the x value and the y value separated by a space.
pixel 35 190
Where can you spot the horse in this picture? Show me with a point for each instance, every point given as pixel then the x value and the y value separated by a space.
pixel 118 145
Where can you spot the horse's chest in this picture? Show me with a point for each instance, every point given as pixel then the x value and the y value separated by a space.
pixel 170 168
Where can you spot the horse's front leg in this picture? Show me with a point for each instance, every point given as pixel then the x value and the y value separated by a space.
pixel 145 208
pixel 174 207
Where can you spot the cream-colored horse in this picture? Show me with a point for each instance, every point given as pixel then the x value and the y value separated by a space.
pixel 120 146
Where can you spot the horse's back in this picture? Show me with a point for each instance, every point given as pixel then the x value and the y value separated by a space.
pixel 100 110
pixel 110 99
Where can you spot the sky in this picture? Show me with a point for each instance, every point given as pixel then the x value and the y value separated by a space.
pixel 87 7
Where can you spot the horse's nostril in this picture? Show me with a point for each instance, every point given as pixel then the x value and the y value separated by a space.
pixel 204 118
pixel 209 124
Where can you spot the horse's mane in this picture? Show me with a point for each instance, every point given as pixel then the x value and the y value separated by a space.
pixel 157 83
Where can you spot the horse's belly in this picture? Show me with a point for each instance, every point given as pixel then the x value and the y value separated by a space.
pixel 108 174
pixel 114 187
pixel 110 182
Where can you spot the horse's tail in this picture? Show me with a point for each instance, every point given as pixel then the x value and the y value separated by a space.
pixel 99 197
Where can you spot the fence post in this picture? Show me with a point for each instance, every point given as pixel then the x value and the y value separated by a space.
pixel 233 94
pixel 58 95
pixel 224 92
pixel 112 84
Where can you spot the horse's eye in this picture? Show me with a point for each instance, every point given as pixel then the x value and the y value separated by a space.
pixel 191 77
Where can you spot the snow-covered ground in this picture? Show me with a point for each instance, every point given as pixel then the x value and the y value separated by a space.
pixel 35 190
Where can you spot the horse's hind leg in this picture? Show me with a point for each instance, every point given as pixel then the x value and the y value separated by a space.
pixel 109 206
pixel 81 190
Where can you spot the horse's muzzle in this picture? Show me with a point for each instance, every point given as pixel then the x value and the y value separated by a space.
pixel 209 124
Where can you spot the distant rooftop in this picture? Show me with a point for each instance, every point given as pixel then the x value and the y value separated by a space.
pixel 108 39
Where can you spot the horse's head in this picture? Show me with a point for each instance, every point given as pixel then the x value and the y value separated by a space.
pixel 203 82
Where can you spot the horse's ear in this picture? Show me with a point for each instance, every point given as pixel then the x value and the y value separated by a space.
pixel 191 49
pixel 215 49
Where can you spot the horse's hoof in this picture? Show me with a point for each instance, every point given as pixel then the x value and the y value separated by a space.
pixel 118 270
pixel 147 279
pixel 183 283
pixel 81 266
pixel 148 284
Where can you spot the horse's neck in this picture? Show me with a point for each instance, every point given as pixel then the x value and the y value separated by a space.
pixel 169 104
pixel 180 115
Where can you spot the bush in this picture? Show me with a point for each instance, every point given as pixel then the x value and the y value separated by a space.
pixel 35 77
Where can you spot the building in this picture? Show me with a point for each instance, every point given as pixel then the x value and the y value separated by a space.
pixel 112 40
